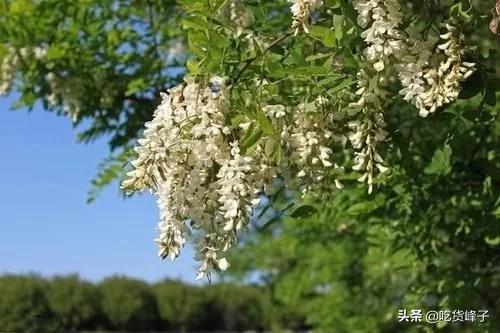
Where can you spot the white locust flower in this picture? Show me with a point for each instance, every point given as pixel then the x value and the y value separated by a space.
pixel 189 159
pixel 429 83
pixel 208 254
pixel 301 11
pixel 11 61
pixel 275 111
pixel 367 133
pixel 7 70
pixel 308 140
pixel 365 137
pixel 205 183
pixel 380 19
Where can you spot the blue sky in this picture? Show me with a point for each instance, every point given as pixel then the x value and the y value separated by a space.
pixel 45 224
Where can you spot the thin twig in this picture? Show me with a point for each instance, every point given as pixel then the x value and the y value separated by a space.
pixel 251 60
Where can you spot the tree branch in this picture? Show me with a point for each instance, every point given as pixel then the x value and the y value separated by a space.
pixel 251 60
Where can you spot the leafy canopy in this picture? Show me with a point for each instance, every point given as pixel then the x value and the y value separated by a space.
pixel 430 229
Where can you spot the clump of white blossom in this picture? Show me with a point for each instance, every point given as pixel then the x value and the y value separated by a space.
pixel 366 136
pixel 429 81
pixel 191 160
pixel 431 84
pixel 194 159
pixel 7 70
pixel 367 132
pixel 380 20
pixel 301 12
pixel 309 138
pixel 66 91
pixel 306 135
pixel 10 62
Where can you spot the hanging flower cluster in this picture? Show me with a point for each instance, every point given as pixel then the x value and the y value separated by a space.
pixel 191 160
pixel 380 19
pixel 301 12
pixel 308 139
pixel 194 157
pixel 7 70
pixel 64 91
pixel 367 132
pixel 429 83
pixel 12 60
pixel 68 92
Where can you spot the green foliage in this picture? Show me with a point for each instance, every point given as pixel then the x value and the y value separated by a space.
pixel 75 303
pixel 23 306
pixel 427 238
pixel 304 211
pixel 440 163
pixel 179 305
pixel 109 62
pixel 69 304
pixel 233 308
pixel 128 304
pixel 108 171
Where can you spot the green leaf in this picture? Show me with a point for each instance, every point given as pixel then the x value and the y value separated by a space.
pixel 361 207
pixel 323 34
pixel 350 12
pixel 496 212
pixel 304 211
pixel 441 162
pixel 135 85
pixel 342 85
pixel 472 86
pixel 318 56
pixel 109 170
pixel 490 97
pixel 493 241
pixel 193 67
pixel 339 27
pixel 327 81
pixel 264 122
pixel 251 138
pixel 196 22
pixel 198 42
pixel 349 59
pixel 273 149
pixel 55 52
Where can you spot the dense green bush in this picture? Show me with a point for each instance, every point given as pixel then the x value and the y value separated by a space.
pixel 180 305
pixel 233 308
pixel 128 304
pixel 70 304
pixel 75 303
pixel 23 305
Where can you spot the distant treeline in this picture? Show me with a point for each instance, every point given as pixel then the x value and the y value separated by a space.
pixel 30 303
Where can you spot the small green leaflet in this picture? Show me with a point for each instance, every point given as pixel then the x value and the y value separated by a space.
pixel 264 122
pixel 304 211
pixel 441 162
